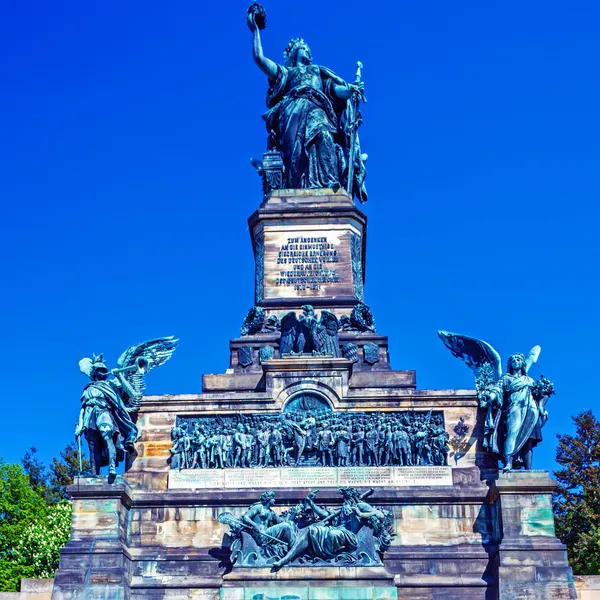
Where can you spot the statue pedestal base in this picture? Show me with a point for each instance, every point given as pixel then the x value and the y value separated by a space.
pixel 530 558
pixel 309 248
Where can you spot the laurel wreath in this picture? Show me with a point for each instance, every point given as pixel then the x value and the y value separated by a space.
pixel 362 318
pixel 253 321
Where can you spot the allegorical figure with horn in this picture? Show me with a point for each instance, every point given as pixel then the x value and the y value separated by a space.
pixel 312 117
pixel 108 405
pixel 515 403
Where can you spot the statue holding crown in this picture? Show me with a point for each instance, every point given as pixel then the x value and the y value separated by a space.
pixel 312 117
pixel 109 405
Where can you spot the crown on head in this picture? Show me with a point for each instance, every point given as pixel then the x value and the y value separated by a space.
pixel 290 51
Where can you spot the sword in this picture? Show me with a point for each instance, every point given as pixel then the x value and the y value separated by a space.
pixel 79 454
pixel 354 131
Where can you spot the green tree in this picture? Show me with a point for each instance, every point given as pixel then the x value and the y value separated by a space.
pixel 63 471
pixel 35 470
pixel 20 506
pixel 40 543
pixel 577 497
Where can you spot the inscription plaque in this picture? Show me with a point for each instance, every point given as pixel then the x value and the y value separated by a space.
pixel 310 477
pixel 252 478
pixel 411 476
pixel 197 478
pixel 300 263
pixel 365 476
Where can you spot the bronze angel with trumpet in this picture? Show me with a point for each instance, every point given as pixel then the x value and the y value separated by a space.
pixel 109 404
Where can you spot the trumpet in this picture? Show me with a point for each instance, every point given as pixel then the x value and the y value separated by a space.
pixel 141 366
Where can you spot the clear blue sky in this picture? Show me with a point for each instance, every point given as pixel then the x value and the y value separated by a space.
pixel 126 129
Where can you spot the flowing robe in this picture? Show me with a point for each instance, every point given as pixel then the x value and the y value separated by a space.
pixel 102 407
pixel 309 120
pixel 329 540
pixel 517 421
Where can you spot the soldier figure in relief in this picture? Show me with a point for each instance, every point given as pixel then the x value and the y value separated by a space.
pixel 326 443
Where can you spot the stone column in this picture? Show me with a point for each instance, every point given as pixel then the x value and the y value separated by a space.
pixel 532 562
pixel 95 563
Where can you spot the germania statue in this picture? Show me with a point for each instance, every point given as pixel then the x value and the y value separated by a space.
pixel 108 406
pixel 312 117
pixel 515 403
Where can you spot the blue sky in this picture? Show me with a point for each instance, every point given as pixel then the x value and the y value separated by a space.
pixel 126 185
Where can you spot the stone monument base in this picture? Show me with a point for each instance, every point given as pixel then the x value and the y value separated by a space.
pixel 470 540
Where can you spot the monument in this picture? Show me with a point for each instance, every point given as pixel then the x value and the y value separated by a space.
pixel 311 469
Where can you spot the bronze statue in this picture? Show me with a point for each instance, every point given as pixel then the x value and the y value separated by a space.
pixel 355 534
pixel 306 434
pixel 515 404
pixel 108 405
pixel 312 117
pixel 309 335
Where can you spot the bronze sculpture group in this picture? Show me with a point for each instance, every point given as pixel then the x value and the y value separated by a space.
pixel 318 438
pixel 355 534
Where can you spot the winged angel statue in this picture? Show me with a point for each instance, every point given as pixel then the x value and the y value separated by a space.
pixel 309 335
pixel 515 403
pixel 108 406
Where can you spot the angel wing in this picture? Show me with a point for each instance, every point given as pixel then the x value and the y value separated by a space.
pixel 151 354
pixel 290 326
pixel 327 334
pixel 473 352
pixel 532 357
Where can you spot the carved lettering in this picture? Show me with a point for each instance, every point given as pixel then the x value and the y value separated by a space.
pixel 308 257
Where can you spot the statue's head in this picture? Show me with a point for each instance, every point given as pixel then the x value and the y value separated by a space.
pixel 297 53
pixel 99 371
pixel 350 493
pixel 267 498
pixel 94 368
pixel 308 310
pixel 516 364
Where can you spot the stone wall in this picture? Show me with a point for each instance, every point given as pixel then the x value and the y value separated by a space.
pixel 31 589
pixel 588 587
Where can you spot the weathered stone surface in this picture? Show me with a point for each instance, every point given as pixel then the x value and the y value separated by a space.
pixel 462 532
pixel 588 587
pixel 308 251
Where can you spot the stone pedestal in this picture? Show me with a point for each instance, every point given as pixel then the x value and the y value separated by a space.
pixel 532 563
pixel 309 248
pixel 461 530
pixel 96 562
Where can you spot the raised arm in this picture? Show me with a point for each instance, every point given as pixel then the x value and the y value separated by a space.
pixel 125 385
pixel 266 65
pixel 320 512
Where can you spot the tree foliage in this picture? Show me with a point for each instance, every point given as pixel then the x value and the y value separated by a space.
pixel 35 469
pixel 63 471
pixel 35 515
pixel 577 497
pixel 20 506
pixel 40 543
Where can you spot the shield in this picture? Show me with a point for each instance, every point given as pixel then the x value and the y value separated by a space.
pixel 371 352
pixel 266 353
pixel 350 351
pixel 245 356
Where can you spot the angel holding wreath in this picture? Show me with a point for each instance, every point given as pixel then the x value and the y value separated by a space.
pixel 515 403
